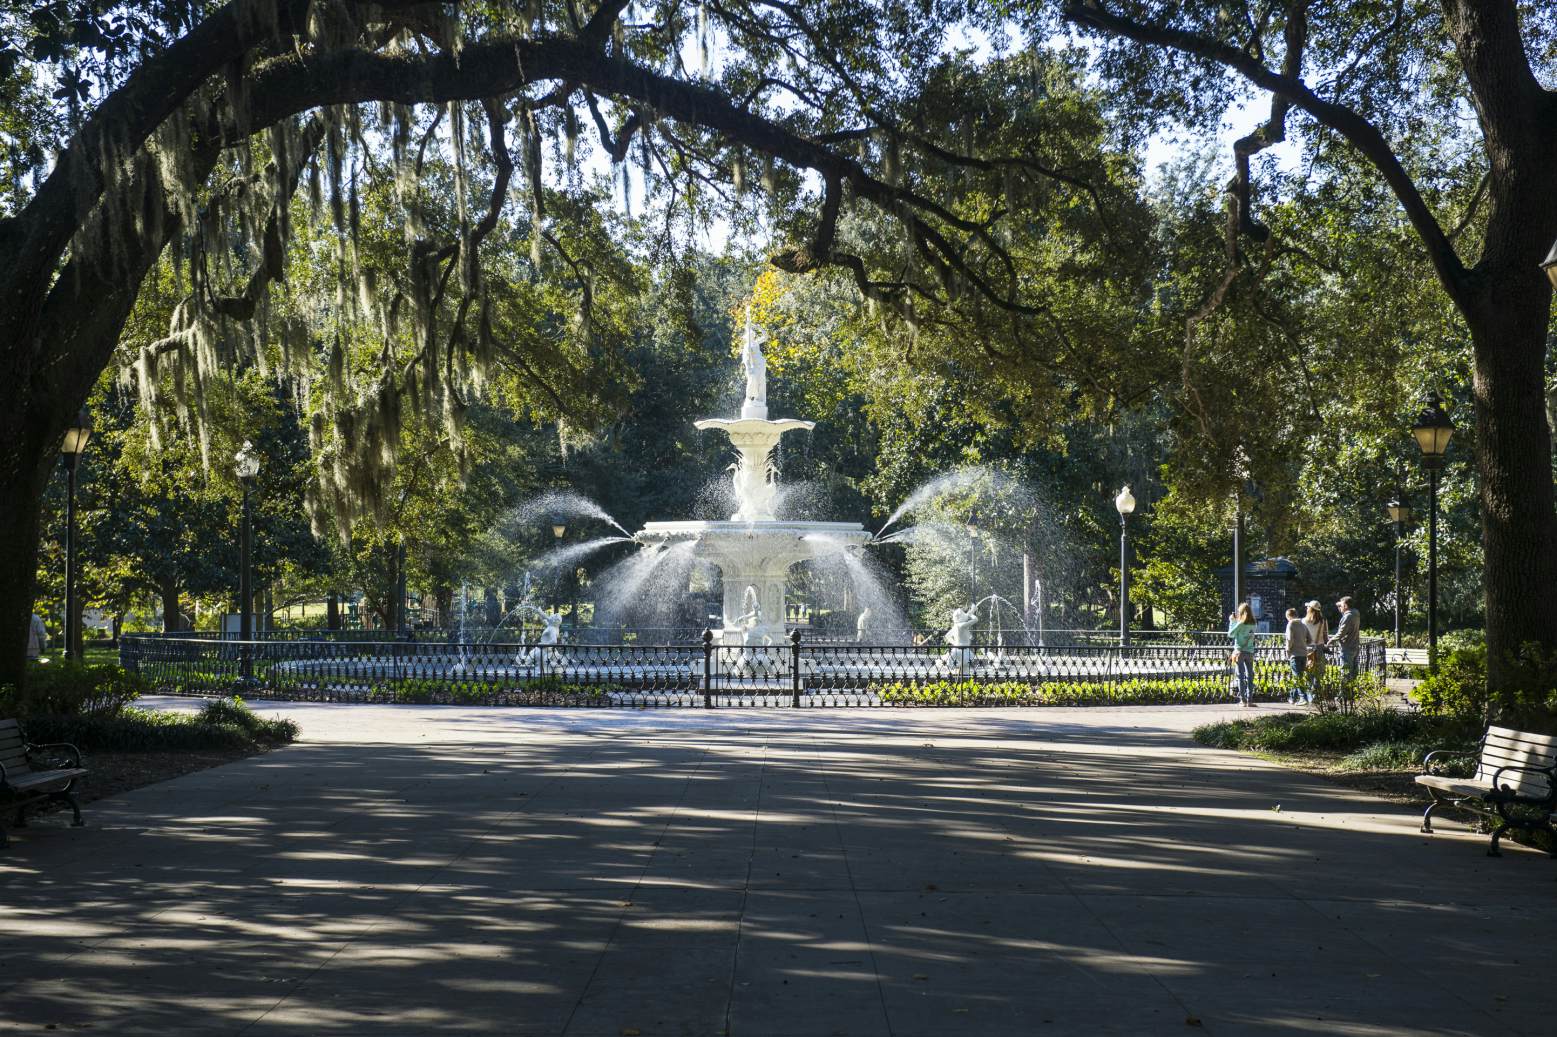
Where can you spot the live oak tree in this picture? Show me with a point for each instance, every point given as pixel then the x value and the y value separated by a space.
pixel 188 127
pixel 1379 89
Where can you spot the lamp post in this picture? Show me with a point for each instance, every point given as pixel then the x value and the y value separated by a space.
pixel 1400 514
pixel 1125 505
pixel 972 526
pixel 246 465
pixel 559 529
pixel 71 449
pixel 1432 431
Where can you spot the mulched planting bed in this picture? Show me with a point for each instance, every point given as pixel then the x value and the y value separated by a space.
pixel 113 773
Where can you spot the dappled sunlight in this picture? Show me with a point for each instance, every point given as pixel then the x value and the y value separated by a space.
pixel 992 871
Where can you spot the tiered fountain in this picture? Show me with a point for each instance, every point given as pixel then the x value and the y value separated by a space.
pixel 754 549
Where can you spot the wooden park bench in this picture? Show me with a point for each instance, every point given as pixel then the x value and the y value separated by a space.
pixel 1515 780
pixel 33 773
pixel 1405 656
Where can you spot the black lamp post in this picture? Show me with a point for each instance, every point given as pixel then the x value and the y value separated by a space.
pixel 559 529
pixel 972 526
pixel 1125 505
pixel 1400 514
pixel 71 449
pixel 1432 430
pixel 246 465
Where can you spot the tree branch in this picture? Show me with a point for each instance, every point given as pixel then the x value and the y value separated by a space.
pixel 1361 133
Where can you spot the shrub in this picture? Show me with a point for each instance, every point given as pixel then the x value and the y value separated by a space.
pixel 223 724
pixel 1457 688
pixel 1405 756
pixel 66 688
pixel 1334 732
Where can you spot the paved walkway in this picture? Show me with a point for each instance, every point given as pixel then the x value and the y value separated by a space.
pixel 424 870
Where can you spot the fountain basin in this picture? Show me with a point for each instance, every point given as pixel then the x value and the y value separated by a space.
pixel 757 555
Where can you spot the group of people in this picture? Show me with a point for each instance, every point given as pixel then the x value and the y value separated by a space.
pixel 1308 642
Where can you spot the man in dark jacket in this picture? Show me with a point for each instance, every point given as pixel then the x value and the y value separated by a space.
pixel 1348 635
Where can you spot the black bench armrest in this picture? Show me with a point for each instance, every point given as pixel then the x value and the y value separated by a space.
pixel 73 753
pixel 1506 794
pixel 1427 761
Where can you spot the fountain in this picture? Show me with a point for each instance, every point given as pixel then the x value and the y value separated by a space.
pixel 754 549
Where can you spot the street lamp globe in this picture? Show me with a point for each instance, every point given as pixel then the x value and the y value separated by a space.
pixel 1399 512
pixel 246 463
pixel 1433 430
pixel 1125 502
pixel 559 528
pixel 1549 264
pixel 75 441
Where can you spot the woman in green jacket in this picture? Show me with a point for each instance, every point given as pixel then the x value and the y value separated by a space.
pixel 1240 627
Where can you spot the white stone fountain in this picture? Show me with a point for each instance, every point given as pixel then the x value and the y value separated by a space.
pixel 754 549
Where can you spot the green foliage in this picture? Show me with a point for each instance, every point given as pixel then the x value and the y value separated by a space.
pixel 1052 693
pixel 65 688
pixel 220 725
pixel 550 690
pixel 1408 755
pixel 1334 732
pixel 1457 689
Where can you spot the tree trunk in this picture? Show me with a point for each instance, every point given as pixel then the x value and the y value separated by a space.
pixel 1519 529
pixel 19 527
pixel 390 613
pixel 172 619
pixel 332 611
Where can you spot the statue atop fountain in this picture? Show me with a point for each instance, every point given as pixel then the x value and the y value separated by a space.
pixel 756 366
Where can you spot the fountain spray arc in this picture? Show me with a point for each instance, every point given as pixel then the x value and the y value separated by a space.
pixel 754 549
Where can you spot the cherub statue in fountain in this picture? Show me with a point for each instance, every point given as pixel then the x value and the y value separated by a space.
pixel 551 634
pixel 960 637
pixel 756 367
pixel 863 626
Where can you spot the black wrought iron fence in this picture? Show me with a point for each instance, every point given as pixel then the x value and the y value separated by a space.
pixel 791 672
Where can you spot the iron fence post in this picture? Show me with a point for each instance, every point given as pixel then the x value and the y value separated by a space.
pixel 794 641
pixel 708 668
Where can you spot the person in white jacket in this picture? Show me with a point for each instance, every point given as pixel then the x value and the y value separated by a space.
pixel 1297 658
pixel 37 638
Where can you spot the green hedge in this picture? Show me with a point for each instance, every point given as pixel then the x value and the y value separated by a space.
pixel 1364 734
pixel 65 688
pixel 1133 692
pixel 220 724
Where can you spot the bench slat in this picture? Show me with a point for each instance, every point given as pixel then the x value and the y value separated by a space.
pixel 44 778
pixel 1548 742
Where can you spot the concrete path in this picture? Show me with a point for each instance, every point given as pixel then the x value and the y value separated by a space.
pixel 425 870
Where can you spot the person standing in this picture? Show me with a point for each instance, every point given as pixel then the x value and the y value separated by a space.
pixel 1348 636
pixel 1318 635
pixel 37 638
pixel 1240 627
pixel 1297 658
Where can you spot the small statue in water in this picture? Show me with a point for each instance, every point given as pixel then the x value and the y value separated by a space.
pixel 960 636
pixel 756 366
pixel 862 625
pixel 551 634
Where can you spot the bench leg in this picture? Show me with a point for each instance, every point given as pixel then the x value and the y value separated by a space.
pixel 70 801
pixel 1427 815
